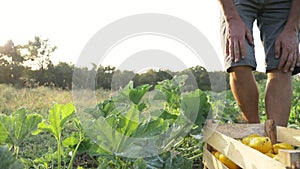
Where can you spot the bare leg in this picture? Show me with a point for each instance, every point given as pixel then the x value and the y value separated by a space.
pixel 244 89
pixel 278 98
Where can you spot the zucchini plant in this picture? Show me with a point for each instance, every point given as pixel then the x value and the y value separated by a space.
pixel 140 123
pixel 16 127
pixel 59 114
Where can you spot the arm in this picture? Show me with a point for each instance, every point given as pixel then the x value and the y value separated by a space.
pixel 288 40
pixel 236 31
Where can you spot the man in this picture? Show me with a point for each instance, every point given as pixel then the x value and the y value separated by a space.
pixel 278 22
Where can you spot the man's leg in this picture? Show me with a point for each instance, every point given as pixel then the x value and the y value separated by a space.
pixel 244 89
pixel 279 97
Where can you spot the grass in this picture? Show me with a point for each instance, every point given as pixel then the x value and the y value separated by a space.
pixel 40 99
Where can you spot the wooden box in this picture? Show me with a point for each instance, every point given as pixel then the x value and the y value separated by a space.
pixel 224 137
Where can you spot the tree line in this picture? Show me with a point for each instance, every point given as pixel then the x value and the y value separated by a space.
pixel 29 65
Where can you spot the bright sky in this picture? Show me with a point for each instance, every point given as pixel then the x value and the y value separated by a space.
pixel 70 24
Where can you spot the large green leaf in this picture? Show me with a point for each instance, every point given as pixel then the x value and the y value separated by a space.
pixel 111 133
pixel 15 128
pixel 59 114
pixel 136 94
pixel 25 124
pixel 151 128
pixel 70 141
pixel 190 104
pixel 5 122
pixel 195 108
pixel 7 160
pixel 102 133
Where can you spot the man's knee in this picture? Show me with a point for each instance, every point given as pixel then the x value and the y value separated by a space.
pixel 241 72
pixel 280 75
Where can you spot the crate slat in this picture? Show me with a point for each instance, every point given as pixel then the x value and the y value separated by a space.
pixel 243 129
pixel 241 154
pixel 288 135
pixel 290 158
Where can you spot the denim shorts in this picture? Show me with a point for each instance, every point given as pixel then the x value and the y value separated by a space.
pixel 271 17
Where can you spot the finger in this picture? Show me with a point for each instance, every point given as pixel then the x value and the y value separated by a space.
pixel 249 37
pixel 283 59
pixel 236 51
pixel 277 49
pixel 243 51
pixel 231 49
pixel 227 47
pixel 298 59
pixel 288 64
pixel 293 63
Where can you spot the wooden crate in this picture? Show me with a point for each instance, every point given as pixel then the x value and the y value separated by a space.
pixel 223 139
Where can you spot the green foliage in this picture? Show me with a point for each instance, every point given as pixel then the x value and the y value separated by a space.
pixel 73 142
pixel 128 114
pixel 15 128
pixel 8 160
pixel 195 101
pixel 14 59
pixel 58 115
pixel 224 107
pixel 121 122
pixel 151 128
pixel 294 120
pixel 140 164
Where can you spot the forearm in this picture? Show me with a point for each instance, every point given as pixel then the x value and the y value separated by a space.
pixel 229 10
pixel 293 22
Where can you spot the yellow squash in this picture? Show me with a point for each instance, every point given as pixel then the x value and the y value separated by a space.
pixel 285 146
pixel 247 139
pixel 270 154
pixel 226 161
pixel 262 144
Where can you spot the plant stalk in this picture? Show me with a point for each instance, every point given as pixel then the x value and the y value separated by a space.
pixel 74 153
pixel 58 153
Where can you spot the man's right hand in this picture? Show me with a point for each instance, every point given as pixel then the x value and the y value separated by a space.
pixel 236 33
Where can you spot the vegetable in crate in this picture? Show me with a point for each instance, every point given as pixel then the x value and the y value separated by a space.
pixel 285 146
pixel 247 139
pixel 262 144
pixel 226 161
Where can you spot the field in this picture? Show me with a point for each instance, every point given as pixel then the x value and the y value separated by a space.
pixel 40 99
pixel 40 151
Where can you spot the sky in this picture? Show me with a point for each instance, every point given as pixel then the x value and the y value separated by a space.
pixel 70 25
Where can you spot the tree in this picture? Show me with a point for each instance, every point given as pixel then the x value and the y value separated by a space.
pixel 38 53
pixel 104 77
pixel 201 76
pixel 150 77
pixel 17 60
pixel 11 61
pixel 121 78
pixel 63 73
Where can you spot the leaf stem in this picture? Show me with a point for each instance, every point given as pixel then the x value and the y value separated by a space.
pixel 75 151
pixel 58 152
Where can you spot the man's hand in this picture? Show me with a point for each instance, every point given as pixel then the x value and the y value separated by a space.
pixel 235 39
pixel 286 47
